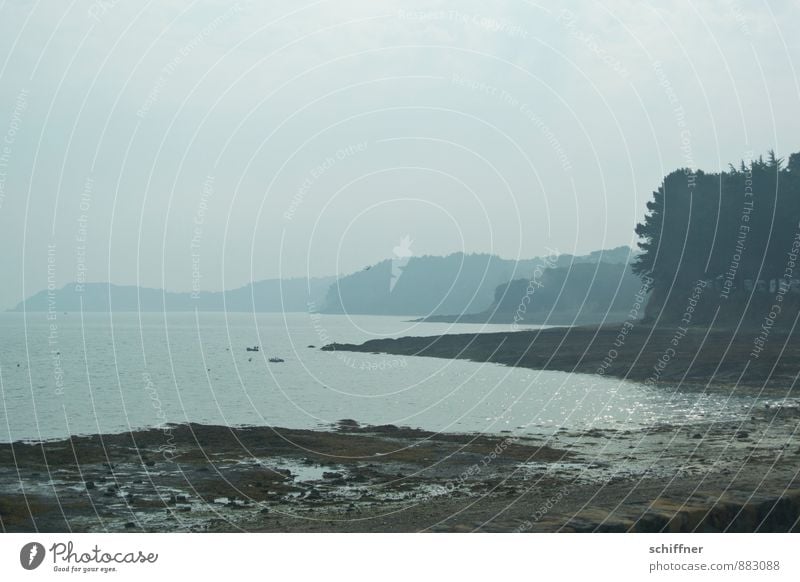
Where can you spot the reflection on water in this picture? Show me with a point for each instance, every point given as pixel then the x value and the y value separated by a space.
pixel 101 374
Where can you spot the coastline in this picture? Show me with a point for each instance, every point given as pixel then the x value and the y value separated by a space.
pixel 738 474
pixel 724 476
pixel 693 358
pixel 564 318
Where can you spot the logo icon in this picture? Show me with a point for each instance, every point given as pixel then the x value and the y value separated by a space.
pixel 402 253
pixel 31 555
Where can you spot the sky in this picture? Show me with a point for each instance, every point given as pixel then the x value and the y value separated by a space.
pixel 207 144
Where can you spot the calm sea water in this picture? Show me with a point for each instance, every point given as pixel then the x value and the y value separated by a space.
pixel 101 373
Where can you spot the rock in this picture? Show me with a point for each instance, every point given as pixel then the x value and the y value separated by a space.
pixel 150 463
pixel 130 525
pixel 90 485
pixel 347 423
pixel 331 475
pixel 742 434
pixel 313 495
pixel 697 435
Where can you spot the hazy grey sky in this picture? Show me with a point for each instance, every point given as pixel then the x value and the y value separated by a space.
pixel 152 142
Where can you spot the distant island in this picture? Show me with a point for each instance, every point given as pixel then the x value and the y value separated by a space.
pixel 273 295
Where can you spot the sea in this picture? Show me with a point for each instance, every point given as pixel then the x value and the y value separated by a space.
pixel 64 374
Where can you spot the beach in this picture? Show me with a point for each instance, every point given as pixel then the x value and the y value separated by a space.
pixel 695 477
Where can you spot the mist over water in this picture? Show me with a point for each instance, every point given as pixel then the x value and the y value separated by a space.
pixel 104 373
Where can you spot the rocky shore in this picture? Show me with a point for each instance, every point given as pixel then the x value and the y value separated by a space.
pixel 714 359
pixel 735 476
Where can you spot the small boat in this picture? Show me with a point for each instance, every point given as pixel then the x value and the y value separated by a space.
pixel 275 360
pixel 253 349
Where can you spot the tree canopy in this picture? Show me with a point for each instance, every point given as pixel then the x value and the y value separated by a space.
pixel 735 229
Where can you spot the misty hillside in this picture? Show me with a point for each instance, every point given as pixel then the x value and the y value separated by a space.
pixel 582 293
pixel 419 286
pixel 455 284
pixel 272 295
pixel 579 294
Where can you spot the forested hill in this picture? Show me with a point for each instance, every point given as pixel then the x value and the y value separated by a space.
pixel 430 286
pixel 581 293
pixel 578 294
pixel 724 244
